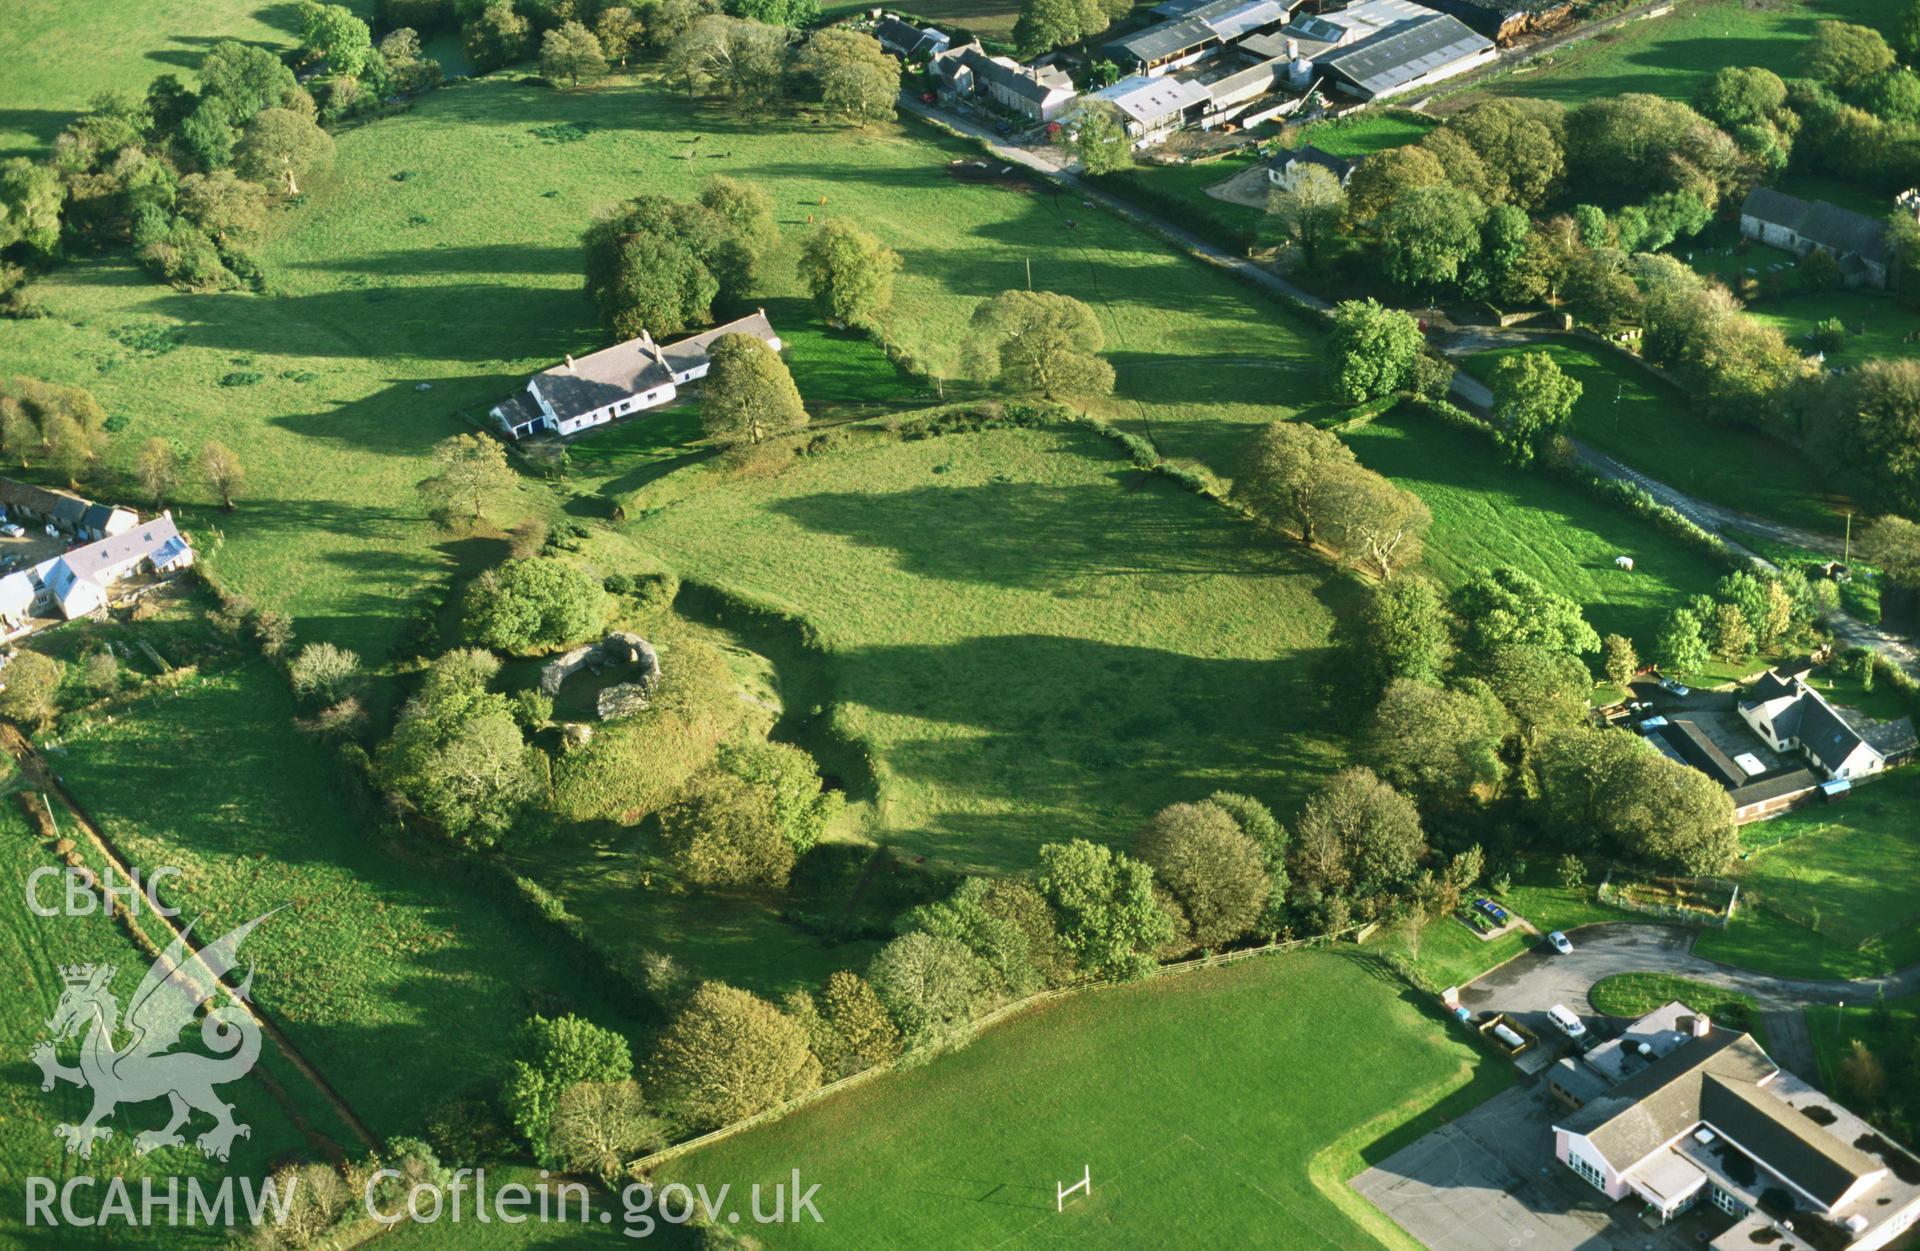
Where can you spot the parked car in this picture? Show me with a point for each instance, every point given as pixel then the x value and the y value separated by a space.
pixel 1492 909
pixel 12 531
pixel 1673 687
pixel 1560 943
pixel 1566 1022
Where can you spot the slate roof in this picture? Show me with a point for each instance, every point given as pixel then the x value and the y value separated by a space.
pixel 1339 166
pixel 895 34
pixel 1809 718
pixel 626 369
pixel 1700 751
pixel 1892 739
pixel 1224 20
pixel 1024 83
pixel 1166 39
pixel 1662 1101
pixel 1842 231
pixel 1788 1142
pixel 1404 51
pixel 130 547
pixel 38 500
pixel 1248 84
pixel 1773 786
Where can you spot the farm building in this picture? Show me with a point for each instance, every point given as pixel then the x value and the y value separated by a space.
pixel 1315 33
pixel 907 41
pixel 1281 166
pixel 69 513
pixel 1856 241
pixel 1155 107
pixel 1504 21
pixel 1197 34
pixel 82 580
pixel 1405 56
pixel 626 378
pixel 1701 1113
pixel 1041 94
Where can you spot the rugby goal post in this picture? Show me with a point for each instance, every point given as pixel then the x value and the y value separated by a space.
pixel 1061 1190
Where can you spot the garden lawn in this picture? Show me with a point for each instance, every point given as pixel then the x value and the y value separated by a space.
pixel 1638 419
pixel 1485 514
pixel 1843 875
pixel 1633 995
pixel 399 977
pixel 1222 1136
pixel 33 947
pixel 1671 55
pixel 1034 639
pixel 1368 131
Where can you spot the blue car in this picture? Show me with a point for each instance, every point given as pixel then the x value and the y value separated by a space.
pixel 1492 909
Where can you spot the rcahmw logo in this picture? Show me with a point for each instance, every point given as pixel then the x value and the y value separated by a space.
pixel 134 1061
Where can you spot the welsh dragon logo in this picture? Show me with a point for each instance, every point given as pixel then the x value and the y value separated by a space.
pixel 146 1067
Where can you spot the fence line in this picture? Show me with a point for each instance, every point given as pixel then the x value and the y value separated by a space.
pixel 967 1034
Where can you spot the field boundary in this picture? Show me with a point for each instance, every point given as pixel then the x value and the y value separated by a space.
pixel 973 1030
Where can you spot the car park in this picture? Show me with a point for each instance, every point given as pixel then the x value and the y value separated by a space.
pixel 1566 1022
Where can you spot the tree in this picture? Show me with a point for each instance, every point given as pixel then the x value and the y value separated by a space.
pixel 456 755
pixel 572 52
pixel 1283 476
pixel 931 984
pixel 745 208
pixel 801 808
pixel 748 395
pixel 1371 350
pixel 1006 924
pixel 1865 427
pixel 1907 36
pixel 1357 837
pixel 849 1029
pixel 100 672
pixel 1620 794
pixel 1373 523
pixel 1428 235
pixel 656 265
pixel 1504 605
pixel 1047 24
pixel 1518 143
pixel 619 29
pixel 1732 635
pixel 549 1057
pixel 1040 343
pixel 30 199
pixel 1210 866
pixel 324 672
pixel 467 469
pixel 407 68
pixel 1103 902
pixel 498 36
pixel 1741 96
pixel 741 60
pixel 1381 179
pixel 1533 401
pixel 858 79
pixel 598 1126
pixel 1893 544
pixel 1543 688
pixel 1308 205
pixel 228 209
pixel 533 605
pixel 1095 133
pixel 1618 660
pixel 725 831
pixel 1403 631
pixel 1845 56
pixel 238 80
pixel 1440 745
pixel 27 699
pixel 849 272
pixel 331 32
pixel 223 471
pixel 1682 646
pixel 1864 1077
pixel 728 1055
pixel 281 144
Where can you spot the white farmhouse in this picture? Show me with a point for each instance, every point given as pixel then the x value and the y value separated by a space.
pixel 626 378
pixel 1793 717
pixel 81 581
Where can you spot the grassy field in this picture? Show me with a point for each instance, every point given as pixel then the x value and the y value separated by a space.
pixel 1633 995
pixel 1844 874
pixel 377 951
pixel 1366 132
pixel 1485 513
pixel 1034 639
pixel 1631 415
pixel 1876 325
pixel 972 1144
pixel 32 947
pixel 1672 55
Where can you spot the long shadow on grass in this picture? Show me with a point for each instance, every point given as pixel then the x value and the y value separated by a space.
pixel 402 420
pixel 492 259
pixel 1069 737
pixel 42 124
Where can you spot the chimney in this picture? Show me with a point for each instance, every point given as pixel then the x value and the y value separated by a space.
pixel 1702 1024
pixel 1293 49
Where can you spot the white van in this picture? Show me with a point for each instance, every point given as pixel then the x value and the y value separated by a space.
pixel 1565 1021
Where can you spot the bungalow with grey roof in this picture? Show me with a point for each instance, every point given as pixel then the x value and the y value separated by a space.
pixel 619 381
pixel 1793 717
pixel 81 581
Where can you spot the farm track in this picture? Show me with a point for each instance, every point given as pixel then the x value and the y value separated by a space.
pixel 34 766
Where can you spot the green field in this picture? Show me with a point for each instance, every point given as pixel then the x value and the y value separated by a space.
pixel 1366 132
pixel 397 974
pixel 1034 639
pixel 1635 417
pixel 1486 514
pixel 1844 876
pixel 972 1144
pixel 1633 995
pixel 1671 55
pixel 1876 325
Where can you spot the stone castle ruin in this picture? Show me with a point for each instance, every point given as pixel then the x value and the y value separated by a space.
pixel 630 655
